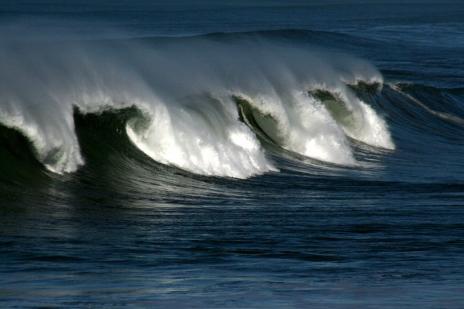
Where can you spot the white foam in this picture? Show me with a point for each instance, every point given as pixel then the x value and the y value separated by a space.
pixel 191 143
pixel 317 134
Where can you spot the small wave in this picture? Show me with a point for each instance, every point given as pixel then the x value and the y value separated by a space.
pixel 442 115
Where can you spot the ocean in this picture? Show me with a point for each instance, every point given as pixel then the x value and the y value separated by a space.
pixel 263 154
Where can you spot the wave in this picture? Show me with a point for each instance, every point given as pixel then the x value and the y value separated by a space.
pixel 203 105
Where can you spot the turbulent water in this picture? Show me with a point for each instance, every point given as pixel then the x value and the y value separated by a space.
pixel 243 156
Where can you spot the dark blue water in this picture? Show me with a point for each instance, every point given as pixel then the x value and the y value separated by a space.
pixel 128 228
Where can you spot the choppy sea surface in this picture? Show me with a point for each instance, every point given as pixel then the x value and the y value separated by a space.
pixel 240 155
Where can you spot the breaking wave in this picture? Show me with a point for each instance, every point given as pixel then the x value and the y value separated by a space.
pixel 205 105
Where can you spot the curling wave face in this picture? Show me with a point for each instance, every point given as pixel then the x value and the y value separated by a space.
pixel 205 105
